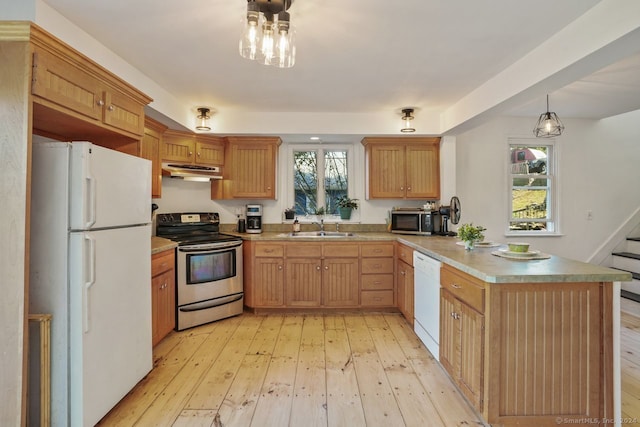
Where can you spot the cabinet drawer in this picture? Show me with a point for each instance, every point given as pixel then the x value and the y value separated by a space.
pixel 337 250
pixel 466 288
pixel 304 250
pixel 369 251
pixel 376 282
pixel 162 262
pixel 269 250
pixel 405 253
pixel 377 265
pixel 376 298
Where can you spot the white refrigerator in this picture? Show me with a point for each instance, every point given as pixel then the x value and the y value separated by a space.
pixel 90 266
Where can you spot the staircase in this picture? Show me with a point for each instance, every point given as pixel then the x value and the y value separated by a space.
pixel 628 259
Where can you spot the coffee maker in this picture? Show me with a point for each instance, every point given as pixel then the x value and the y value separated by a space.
pixel 254 219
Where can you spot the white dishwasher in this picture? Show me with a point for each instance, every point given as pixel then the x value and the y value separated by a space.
pixel 427 301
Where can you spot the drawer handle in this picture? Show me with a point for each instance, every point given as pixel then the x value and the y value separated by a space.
pixel 100 102
pixel 318 267
pixel 110 108
pixel 164 264
pixel 377 282
pixel 455 286
pixel 268 251
pixel 279 267
pixel 403 272
pixel 377 266
pixel 377 251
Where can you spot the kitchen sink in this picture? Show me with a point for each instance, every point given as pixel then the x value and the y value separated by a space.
pixel 320 234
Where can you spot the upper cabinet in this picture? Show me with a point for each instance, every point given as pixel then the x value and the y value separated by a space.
pixel 402 168
pixel 250 169
pixel 75 98
pixel 190 148
pixel 150 148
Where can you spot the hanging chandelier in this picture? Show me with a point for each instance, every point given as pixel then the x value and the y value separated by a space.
pixel 548 125
pixel 268 36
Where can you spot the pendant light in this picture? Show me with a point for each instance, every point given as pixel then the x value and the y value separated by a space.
pixel 407 116
pixel 268 36
pixel 548 125
pixel 203 119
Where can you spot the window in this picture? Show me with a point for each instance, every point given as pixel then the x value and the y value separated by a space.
pixel 320 176
pixel 531 187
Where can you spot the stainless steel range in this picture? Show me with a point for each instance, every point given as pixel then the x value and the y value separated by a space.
pixel 208 268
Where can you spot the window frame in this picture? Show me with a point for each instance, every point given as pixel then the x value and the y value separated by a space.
pixel 551 175
pixel 320 149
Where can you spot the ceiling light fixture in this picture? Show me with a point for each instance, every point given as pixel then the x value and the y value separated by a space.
pixel 407 116
pixel 203 119
pixel 548 125
pixel 268 36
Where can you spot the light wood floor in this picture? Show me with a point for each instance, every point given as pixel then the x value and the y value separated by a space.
pixel 314 370
pixel 295 370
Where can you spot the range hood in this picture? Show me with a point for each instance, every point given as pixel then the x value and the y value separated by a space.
pixel 191 172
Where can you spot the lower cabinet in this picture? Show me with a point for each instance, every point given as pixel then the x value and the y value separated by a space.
pixel 308 274
pixel 163 295
pixel 405 282
pixel 462 345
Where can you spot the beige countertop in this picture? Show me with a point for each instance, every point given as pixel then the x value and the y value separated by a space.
pixel 160 244
pixel 479 262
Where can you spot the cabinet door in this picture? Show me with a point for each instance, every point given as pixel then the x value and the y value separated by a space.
pixel 303 282
pixel 150 149
pixel 387 172
pixel 449 334
pixel 252 168
pixel 405 289
pixel 209 153
pixel 64 84
pixel 340 282
pixel 123 112
pixel 163 305
pixel 423 172
pixel 178 148
pixel 471 353
pixel 269 286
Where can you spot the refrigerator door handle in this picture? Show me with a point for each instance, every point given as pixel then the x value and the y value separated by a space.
pixel 91 201
pixel 90 264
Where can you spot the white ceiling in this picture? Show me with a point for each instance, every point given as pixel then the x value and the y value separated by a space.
pixel 354 56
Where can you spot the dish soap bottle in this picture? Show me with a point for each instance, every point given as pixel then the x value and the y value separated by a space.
pixel 296 226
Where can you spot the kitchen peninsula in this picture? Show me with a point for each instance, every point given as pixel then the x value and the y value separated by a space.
pixel 527 342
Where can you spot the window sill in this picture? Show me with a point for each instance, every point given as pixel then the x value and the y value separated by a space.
pixel 533 234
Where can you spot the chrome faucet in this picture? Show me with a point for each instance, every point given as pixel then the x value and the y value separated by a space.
pixel 337 226
pixel 320 224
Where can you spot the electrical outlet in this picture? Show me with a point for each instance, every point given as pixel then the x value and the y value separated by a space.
pixel 589 215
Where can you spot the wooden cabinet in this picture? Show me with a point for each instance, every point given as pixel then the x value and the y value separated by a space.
pixel 402 168
pixel 163 294
pixel 462 332
pixel 377 280
pixel 150 148
pixel 303 274
pixel 263 274
pixel 250 169
pixel 340 275
pixel 323 274
pixel 192 149
pixel 74 97
pixel 405 281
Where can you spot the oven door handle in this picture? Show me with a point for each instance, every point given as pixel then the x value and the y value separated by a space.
pixel 209 247
pixel 211 304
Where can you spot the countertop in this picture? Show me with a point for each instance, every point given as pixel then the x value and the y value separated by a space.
pixel 160 244
pixel 478 262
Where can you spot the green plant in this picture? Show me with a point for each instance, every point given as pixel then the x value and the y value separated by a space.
pixel 320 210
pixel 291 209
pixel 346 202
pixel 471 233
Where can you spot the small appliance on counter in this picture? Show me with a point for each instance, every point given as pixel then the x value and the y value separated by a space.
pixel 254 219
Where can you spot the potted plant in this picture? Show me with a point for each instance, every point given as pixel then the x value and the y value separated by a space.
pixel 290 213
pixel 346 205
pixel 470 234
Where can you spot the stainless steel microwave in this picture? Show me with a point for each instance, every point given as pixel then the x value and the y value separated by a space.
pixel 416 221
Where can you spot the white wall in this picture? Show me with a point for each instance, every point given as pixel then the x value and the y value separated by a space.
pixel 598 172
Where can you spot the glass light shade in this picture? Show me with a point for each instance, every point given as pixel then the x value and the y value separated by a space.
pixel 250 39
pixel 407 116
pixel 203 120
pixel 285 52
pixel 268 43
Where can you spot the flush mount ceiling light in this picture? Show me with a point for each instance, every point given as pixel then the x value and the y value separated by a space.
pixel 203 119
pixel 407 116
pixel 268 36
pixel 548 125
